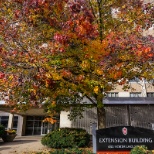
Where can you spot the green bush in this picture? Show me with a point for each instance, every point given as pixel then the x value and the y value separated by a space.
pixel 140 150
pixel 66 137
pixel 2 130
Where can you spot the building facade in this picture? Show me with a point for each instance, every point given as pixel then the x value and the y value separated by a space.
pixel 27 123
pixel 134 107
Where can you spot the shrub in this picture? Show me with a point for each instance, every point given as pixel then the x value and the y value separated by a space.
pixel 66 137
pixel 140 150
pixel 2 130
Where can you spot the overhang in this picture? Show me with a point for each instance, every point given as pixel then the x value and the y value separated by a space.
pixel 128 100
pixel 29 112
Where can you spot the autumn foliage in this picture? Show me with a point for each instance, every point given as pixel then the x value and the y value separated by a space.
pixel 60 51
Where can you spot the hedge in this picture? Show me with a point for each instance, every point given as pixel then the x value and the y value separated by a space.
pixel 66 137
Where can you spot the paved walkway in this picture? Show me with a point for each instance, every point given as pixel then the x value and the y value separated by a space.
pixel 22 145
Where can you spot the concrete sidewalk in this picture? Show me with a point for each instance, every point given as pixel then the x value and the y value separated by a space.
pixel 22 145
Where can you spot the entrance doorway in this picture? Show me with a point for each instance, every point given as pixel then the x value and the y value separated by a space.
pixel 45 128
pixel 36 126
pixel 33 125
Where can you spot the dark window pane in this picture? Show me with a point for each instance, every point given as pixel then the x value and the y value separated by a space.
pixel 4 121
pixel 15 121
pixel 29 130
pixel 37 130
pixel 30 118
pixel 29 124
pixel 4 117
pixel 135 94
pixel 150 94
pixel 37 123
pixel 15 118
pixel 15 124
pixel 112 94
pixel 38 118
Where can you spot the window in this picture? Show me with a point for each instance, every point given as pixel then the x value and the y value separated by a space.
pixel 135 80
pixel 136 94
pixel 150 94
pixel 4 121
pixel 112 94
pixel 15 122
pixel 33 125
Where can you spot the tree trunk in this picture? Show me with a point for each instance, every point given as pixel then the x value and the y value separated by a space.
pixel 101 118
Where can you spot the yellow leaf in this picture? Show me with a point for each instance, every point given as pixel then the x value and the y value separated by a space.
pixel 99 72
pixel 123 6
pixel 96 89
pixel 48 75
pixel 11 77
pixel 56 76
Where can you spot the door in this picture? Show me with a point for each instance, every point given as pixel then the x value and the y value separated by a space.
pixel 44 128
pixel 36 127
pixel 33 125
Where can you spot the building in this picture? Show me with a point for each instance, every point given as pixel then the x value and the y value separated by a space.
pixel 134 107
pixel 26 123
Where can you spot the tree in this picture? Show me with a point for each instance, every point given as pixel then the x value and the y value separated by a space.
pixel 54 53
